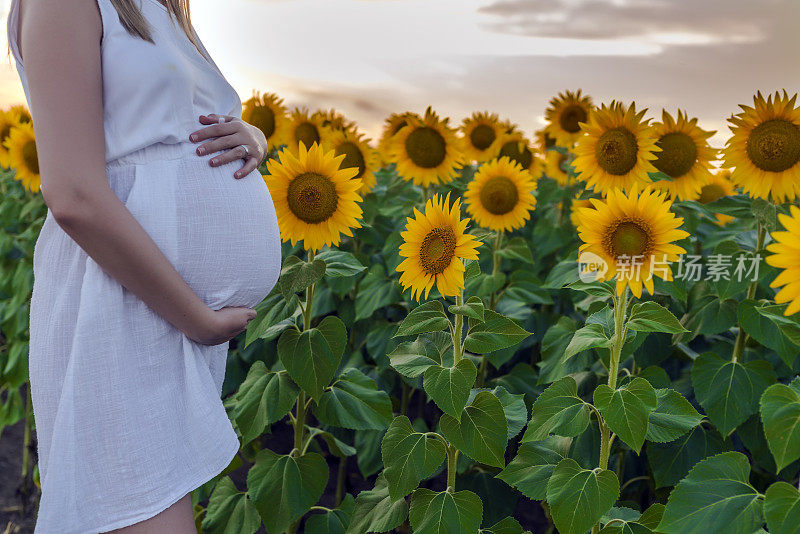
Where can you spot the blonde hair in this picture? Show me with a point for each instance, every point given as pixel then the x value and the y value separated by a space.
pixel 134 22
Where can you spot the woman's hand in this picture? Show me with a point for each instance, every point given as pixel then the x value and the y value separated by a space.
pixel 219 326
pixel 231 134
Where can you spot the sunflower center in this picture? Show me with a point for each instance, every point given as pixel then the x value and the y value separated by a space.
pixel 571 116
pixel 678 154
pixel 426 147
pixel 710 193
pixel 774 145
pixel 307 133
pixel 482 136
pixel 437 250
pixel 352 157
pixel 617 151
pixel 312 197
pixel 549 142
pixel 511 149
pixel 499 195
pixel 30 156
pixel 263 118
pixel 628 238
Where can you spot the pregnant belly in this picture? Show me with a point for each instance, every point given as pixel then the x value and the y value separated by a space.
pixel 220 233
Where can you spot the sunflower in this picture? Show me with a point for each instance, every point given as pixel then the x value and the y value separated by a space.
pixel 481 133
pixel 434 248
pixel 306 129
pixel 8 119
pixel 334 120
pixel 544 141
pixel 633 233
pixel 358 154
pixel 315 200
pixel 718 185
pixel 764 150
pixel 518 149
pixel 577 204
pixel 392 125
pixel 617 150
pixel 786 249
pixel 24 113
pixel 500 196
pixel 22 155
pixel 554 166
pixel 426 150
pixel 509 126
pixel 685 155
pixel 564 116
pixel 266 112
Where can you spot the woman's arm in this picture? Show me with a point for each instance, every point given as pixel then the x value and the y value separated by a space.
pixel 60 45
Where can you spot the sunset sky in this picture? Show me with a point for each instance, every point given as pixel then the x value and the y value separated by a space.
pixel 369 58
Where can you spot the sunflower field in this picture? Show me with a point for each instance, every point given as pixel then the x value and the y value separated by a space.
pixel 593 328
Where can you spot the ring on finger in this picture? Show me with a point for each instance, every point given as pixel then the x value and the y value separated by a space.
pixel 246 151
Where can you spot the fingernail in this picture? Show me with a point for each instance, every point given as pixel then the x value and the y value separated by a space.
pixel 193 137
pixel 237 174
pixel 214 161
pixel 201 151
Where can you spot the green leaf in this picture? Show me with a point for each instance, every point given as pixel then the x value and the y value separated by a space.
pixel 671 462
pixel 644 523
pixel 283 488
pixel 374 292
pixel 729 391
pixel 230 511
pixel 443 512
pixel 427 317
pixel 412 358
pixel 673 417
pixel 650 316
pixel 590 336
pixel 473 309
pixel 603 290
pixel 482 433
pixel 333 521
pixel 270 314
pixel 312 357
pixel 263 398
pixel 627 409
pixel 789 326
pixel 449 386
pixel 782 509
pixel 516 249
pixel 509 525
pixel 766 331
pixel 558 410
pixel 339 264
pixel 578 498
pixel 336 446
pixel 514 408
pixel 297 275
pixel 554 366
pixel 780 413
pixel 533 465
pixel 494 333
pixel 715 497
pixel 766 213
pixel 409 457
pixel 354 401
pixel 376 512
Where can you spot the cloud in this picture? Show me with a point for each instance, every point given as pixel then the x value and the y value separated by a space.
pixel 668 22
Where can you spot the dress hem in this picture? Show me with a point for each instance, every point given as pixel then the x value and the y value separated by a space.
pixel 172 499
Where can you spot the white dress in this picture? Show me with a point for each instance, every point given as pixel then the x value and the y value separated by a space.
pixel 127 408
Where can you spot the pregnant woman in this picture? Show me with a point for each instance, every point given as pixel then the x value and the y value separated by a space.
pixel 160 237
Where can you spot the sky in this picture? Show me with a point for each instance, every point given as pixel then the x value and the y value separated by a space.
pixel 370 58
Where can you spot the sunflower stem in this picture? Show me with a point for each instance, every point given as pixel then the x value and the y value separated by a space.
pixel 620 309
pixel 300 407
pixel 495 267
pixel 452 461
pixel 741 336
pixel 459 320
